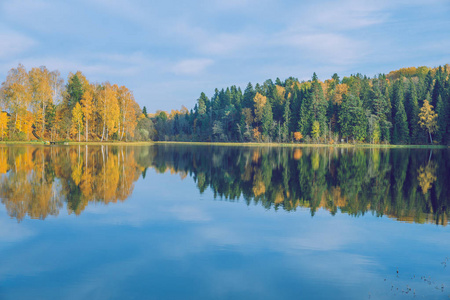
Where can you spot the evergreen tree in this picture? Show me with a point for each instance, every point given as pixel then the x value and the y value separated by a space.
pixel 400 133
pixel 345 124
pixel 318 103
pixel 305 116
pixel 286 120
pixel 74 91
pixel 249 94
pixel 267 121
pixel 442 120
pixel 412 113
pixel 201 104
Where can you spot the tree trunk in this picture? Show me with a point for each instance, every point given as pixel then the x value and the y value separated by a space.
pixel 103 134
pixel 87 128
pixel 43 122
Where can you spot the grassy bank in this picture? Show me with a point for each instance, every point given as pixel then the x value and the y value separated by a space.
pixel 111 143
pixel 117 143
pixel 303 145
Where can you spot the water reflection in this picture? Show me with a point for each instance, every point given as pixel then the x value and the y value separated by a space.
pixel 406 184
pixel 36 181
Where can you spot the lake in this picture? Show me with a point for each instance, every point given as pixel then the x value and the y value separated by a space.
pixel 218 222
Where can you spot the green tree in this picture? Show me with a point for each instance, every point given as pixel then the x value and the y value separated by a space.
pixel 400 133
pixel 74 90
pixel 144 111
pixel 267 121
pixel 286 120
pixel 412 113
pixel 442 120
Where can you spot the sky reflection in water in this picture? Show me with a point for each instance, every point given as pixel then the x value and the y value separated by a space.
pixel 159 237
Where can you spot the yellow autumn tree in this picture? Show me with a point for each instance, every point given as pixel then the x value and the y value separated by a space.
pixel 127 106
pixel 27 124
pixel 17 91
pixel 109 110
pixel 88 109
pixel 77 121
pixel 41 92
pixel 4 119
pixel 260 102
pixel 428 118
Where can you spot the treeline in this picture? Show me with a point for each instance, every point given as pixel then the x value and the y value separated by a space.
pixel 38 105
pixel 407 106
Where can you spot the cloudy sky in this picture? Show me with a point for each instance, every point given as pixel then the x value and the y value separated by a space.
pixel 168 52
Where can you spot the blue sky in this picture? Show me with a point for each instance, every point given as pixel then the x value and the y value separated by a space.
pixel 168 52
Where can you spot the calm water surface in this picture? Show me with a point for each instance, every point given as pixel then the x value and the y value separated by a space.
pixel 196 222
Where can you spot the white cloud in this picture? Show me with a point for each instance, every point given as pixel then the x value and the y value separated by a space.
pixel 192 66
pixel 13 43
pixel 326 47
pixel 344 15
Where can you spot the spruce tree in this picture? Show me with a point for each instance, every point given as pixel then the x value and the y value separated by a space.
pixel 412 113
pixel 401 131
pixel 286 120
pixel 304 123
pixel 400 134
pixel 267 121
pixel 442 121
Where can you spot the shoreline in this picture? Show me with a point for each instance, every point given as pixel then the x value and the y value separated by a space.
pixel 230 144
pixel 294 145
pixel 72 143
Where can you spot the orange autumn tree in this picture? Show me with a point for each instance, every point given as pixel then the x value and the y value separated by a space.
pixel 298 136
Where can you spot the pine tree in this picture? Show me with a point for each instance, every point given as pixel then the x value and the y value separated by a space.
pixel 442 121
pixel 74 91
pixel 267 121
pixel 345 118
pixel 318 103
pixel 412 113
pixel 201 106
pixel 304 123
pixel 286 120
pixel 400 133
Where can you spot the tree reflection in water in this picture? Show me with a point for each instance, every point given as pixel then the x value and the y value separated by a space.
pixel 406 184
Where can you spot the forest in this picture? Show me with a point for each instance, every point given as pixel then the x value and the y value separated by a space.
pixel 37 105
pixel 406 106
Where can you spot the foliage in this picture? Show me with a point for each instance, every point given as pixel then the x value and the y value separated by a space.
pixel 356 108
pixel 428 118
